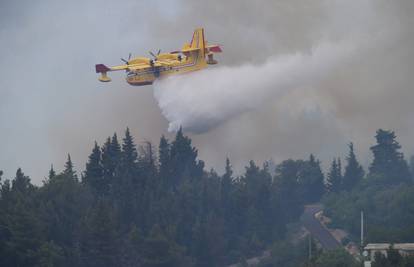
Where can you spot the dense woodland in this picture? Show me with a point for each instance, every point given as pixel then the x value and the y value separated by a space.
pixel 146 206
pixel 385 194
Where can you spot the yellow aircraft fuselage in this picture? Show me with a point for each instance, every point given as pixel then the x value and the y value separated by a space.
pixel 143 71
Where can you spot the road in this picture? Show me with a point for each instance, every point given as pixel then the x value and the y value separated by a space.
pixel 317 230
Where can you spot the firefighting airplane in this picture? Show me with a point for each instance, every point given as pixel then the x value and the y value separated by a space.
pixel 143 71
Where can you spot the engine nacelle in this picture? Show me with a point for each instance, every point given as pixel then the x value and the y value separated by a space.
pixel 210 59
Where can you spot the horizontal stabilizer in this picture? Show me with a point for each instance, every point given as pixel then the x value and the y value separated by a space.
pixel 101 68
pixel 214 48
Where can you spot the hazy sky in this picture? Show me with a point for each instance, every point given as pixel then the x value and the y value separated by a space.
pixel 51 103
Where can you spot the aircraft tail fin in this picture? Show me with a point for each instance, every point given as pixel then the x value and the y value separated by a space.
pixel 198 42
pixel 102 69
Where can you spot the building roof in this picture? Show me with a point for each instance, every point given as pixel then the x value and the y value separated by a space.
pixel 385 246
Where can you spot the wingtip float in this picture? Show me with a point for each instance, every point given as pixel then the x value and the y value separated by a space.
pixel 143 71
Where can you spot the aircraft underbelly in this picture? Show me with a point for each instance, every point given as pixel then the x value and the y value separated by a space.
pixel 148 77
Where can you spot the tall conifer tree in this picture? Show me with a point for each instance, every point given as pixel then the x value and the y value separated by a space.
pixel 69 171
pixel 52 173
pixel 129 151
pixel 94 174
pixel 334 179
pixel 389 162
pixel 354 172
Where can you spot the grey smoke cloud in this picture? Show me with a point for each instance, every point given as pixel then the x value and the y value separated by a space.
pixel 363 93
pixel 51 103
pixel 207 99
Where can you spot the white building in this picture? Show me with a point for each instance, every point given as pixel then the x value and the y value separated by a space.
pixel 403 248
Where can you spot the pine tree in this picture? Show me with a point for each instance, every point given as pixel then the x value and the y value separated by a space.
pixel 318 178
pixel 252 178
pixel 94 173
pixel 340 171
pixel 159 251
pixel 67 200
pixel 99 243
pixel 130 185
pixel 21 225
pixel 129 151
pixel 184 159
pixel 311 180
pixel 115 147
pixel 132 248
pixel 115 153
pixel 226 185
pixel 21 182
pixel 412 166
pixel 354 172
pixel 333 183
pixel 52 173
pixel 69 171
pixel 111 158
pixel 147 159
pixel 286 189
pixel 389 162
pixel 164 162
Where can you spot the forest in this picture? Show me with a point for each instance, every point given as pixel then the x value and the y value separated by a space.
pixel 145 206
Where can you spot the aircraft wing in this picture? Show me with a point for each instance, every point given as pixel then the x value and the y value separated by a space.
pixel 139 66
pixel 103 70
pixel 164 62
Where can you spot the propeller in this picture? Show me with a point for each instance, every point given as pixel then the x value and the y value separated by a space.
pixel 126 61
pixel 153 55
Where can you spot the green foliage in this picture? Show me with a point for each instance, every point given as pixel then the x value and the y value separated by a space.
pixel 159 251
pixel 385 196
pixel 99 239
pixel 133 209
pixel 392 259
pixel 388 161
pixel 20 227
pixel 334 180
pixel 62 205
pixel 94 173
pixel 354 172
pixel 50 255
pixel 283 253
pixel 287 187
pixel 129 151
pixel 69 170
pixel 52 173
pixel 336 258
pixel 311 180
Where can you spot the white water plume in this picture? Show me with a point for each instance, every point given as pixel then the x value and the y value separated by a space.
pixel 203 100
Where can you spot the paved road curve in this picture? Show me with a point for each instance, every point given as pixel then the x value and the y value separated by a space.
pixel 313 226
pixel 318 231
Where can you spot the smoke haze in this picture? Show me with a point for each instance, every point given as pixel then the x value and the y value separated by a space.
pixel 296 77
pixel 207 99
